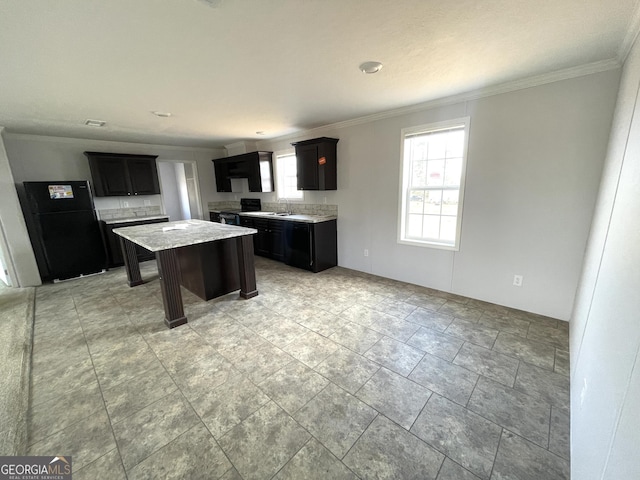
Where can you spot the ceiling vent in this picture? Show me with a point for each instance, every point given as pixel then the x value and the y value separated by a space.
pixel 211 3
pixel 95 123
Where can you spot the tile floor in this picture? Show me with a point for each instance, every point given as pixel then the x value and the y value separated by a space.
pixel 322 376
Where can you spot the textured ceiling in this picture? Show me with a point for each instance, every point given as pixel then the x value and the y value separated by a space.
pixel 276 66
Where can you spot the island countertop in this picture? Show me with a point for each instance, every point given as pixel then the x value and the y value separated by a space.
pixel 167 235
pixel 112 221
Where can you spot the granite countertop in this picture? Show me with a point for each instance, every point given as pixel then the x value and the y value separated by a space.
pixel 167 235
pixel 111 221
pixel 294 217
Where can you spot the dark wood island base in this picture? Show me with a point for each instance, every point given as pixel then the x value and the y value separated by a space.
pixel 169 272
pixel 246 267
pixel 131 262
pixel 209 269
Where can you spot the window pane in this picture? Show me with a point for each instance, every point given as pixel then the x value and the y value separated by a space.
pixel 453 171
pixel 287 177
pixel 437 146
pixel 448 229
pixel 431 228
pixel 455 143
pixel 419 174
pixel 414 226
pixel 265 174
pixel 435 173
pixel 433 165
pixel 434 200
pixel 450 202
pixel 416 201
pixel 418 148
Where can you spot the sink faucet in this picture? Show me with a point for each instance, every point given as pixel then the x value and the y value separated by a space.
pixel 288 209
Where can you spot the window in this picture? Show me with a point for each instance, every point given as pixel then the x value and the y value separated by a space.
pixel 433 169
pixel 288 177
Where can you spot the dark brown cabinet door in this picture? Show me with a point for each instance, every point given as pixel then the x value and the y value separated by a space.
pixel 223 182
pixel 261 243
pixel 316 162
pixel 121 174
pixel 144 176
pixel 307 163
pixel 109 176
pixel 269 241
pixel 276 231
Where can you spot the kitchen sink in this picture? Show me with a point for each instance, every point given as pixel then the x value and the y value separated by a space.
pixel 277 214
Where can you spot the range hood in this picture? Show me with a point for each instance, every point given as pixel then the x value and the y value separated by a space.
pixel 256 167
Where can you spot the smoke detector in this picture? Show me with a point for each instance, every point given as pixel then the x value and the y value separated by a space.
pixel 370 67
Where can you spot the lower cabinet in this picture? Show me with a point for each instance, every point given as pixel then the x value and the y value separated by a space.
pixel 312 246
pixel 112 242
pixel 269 241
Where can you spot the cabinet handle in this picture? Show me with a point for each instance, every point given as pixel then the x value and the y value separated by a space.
pixel 310 248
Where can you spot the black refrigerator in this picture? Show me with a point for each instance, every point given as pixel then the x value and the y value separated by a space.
pixel 64 230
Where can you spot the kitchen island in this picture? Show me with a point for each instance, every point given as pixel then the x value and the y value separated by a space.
pixel 209 259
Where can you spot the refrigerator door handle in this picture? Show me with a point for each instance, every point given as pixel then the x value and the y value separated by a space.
pixel 310 248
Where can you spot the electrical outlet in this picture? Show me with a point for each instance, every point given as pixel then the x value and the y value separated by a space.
pixel 325 200
pixel 125 204
pixel 366 252
pixel 517 280
pixel 147 203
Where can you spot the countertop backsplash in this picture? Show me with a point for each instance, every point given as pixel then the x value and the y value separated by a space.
pixel 299 208
pixel 225 205
pixel 146 211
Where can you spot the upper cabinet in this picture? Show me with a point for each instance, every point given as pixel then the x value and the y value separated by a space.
pixel 316 162
pixel 120 174
pixel 256 167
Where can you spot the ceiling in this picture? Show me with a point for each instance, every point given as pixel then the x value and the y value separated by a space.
pixel 226 69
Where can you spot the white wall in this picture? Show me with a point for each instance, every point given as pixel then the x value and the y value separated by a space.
pixel 534 164
pixel 17 253
pixel 35 158
pixel 605 326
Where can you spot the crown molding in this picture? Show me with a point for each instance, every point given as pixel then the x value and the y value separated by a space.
pixel 133 145
pixel 633 29
pixel 537 80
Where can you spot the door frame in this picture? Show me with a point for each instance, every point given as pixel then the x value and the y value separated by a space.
pixel 196 185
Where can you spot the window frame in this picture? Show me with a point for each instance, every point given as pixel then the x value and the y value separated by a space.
pixel 280 178
pixel 405 187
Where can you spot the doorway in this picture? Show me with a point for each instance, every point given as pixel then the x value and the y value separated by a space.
pixel 179 184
